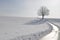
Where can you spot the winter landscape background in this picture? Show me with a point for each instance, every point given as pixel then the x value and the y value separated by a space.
pixel 19 17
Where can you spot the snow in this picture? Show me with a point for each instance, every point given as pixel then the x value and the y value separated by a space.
pixel 53 35
pixel 13 27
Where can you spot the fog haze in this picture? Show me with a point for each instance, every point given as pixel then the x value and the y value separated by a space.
pixel 28 8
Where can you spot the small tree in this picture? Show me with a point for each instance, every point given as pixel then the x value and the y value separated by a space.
pixel 43 11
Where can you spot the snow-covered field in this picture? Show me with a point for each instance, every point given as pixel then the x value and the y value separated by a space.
pixel 55 21
pixel 20 28
pixel 13 28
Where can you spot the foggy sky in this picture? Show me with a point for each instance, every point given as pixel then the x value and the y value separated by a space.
pixel 29 8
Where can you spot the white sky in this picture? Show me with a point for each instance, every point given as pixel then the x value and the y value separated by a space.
pixel 29 8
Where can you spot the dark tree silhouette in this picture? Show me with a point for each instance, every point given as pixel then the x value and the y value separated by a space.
pixel 43 11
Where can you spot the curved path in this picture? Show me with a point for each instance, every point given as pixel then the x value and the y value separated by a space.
pixel 53 35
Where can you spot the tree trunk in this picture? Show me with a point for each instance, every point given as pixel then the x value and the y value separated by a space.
pixel 42 17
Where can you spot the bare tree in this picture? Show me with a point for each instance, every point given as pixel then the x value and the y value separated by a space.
pixel 43 11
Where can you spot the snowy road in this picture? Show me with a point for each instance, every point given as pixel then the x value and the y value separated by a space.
pixel 53 35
